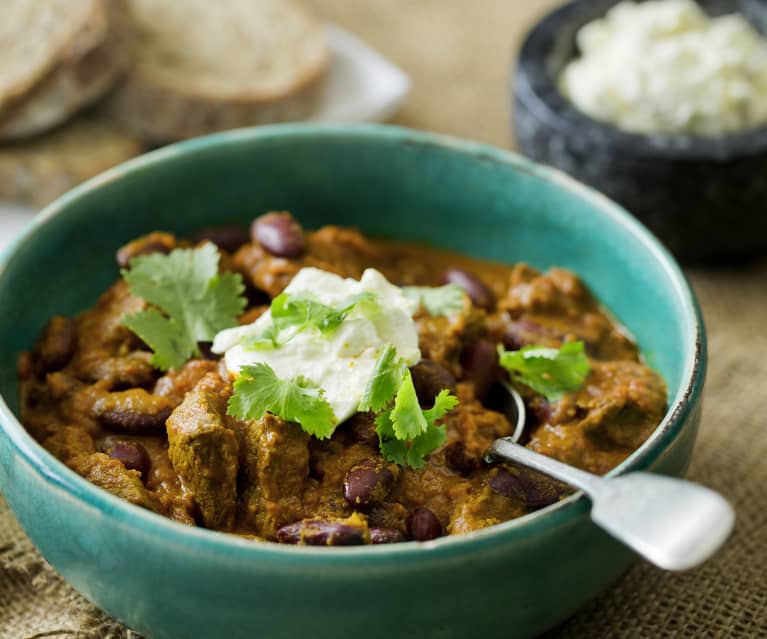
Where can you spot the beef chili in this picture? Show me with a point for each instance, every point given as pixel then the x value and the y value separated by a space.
pixel 161 424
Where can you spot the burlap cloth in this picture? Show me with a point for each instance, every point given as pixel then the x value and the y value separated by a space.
pixel 458 53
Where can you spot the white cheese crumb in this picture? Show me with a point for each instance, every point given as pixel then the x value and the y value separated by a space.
pixel 664 66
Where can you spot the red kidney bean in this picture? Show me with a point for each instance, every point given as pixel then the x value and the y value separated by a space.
pixel 475 288
pixel 279 233
pixel 429 378
pixel 134 411
pixel 507 484
pixel 206 352
pixel 457 458
pixel 537 490
pixel 362 428
pixel 229 237
pixel 368 482
pixel 480 365
pixel 156 242
pixel 386 536
pixel 56 345
pixel 132 455
pixel 423 525
pixel 322 532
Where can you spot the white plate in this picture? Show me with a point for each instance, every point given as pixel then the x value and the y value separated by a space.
pixel 362 86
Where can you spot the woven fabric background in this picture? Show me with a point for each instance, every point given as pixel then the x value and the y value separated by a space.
pixel 458 54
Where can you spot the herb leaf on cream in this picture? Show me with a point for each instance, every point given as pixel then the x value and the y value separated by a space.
pixel 258 390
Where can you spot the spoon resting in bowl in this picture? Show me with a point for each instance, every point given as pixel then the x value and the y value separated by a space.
pixel 673 523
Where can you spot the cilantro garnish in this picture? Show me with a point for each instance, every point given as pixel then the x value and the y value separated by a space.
pixel 384 382
pixel 440 300
pixel 549 371
pixel 258 390
pixel 299 312
pixel 406 432
pixel 195 299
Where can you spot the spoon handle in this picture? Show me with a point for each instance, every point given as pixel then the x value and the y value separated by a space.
pixel 673 523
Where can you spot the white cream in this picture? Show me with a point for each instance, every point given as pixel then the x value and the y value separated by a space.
pixel 664 66
pixel 342 362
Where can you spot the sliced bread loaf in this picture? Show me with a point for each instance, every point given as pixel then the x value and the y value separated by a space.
pixel 40 170
pixel 202 66
pixel 58 56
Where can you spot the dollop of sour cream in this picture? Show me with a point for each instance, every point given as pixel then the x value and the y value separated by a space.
pixel 343 361
pixel 664 66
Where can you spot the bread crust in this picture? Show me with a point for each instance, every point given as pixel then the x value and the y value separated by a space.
pixel 85 70
pixel 40 170
pixel 160 113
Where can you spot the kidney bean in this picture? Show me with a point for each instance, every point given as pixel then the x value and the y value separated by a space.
pixel 134 369
pixel 132 454
pixel 279 233
pixel 429 378
pixel 206 352
pixel 228 237
pixel 537 490
pixel 56 345
pixel 507 484
pixel 134 411
pixel 480 365
pixel 368 482
pixel 386 536
pixel 423 525
pixel 475 288
pixel 362 428
pixel 322 532
pixel 457 458
pixel 156 242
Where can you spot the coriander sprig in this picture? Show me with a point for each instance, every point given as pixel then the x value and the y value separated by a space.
pixel 552 372
pixel 192 302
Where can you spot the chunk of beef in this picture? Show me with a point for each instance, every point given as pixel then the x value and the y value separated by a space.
pixel 56 345
pixel 204 452
pixel 275 456
pixel 554 307
pixel 596 428
pixel 70 442
pixel 111 474
pixel 176 384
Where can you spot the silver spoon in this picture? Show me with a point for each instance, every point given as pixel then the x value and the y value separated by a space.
pixel 673 523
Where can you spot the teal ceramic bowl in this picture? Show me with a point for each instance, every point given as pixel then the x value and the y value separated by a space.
pixel 169 581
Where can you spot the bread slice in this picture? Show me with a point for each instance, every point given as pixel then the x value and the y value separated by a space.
pixel 58 56
pixel 202 66
pixel 40 170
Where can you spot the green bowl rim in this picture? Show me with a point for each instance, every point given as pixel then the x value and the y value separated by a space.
pixel 57 475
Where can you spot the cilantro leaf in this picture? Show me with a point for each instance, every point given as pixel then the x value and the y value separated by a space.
pixel 441 300
pixel 549 371
pixel 444 402
pixel 171 345
pixel 406 433
pixel 407 417
pixel 299 311
pixel 258 390
pixel 383 383
pixel 197 300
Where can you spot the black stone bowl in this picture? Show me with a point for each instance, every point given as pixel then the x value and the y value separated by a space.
pixel 706 198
